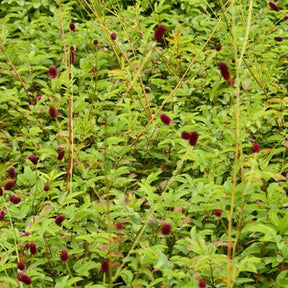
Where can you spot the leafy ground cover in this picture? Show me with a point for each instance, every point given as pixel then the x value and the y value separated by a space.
pixel 143 143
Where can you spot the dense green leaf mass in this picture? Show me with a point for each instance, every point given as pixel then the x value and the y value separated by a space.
pixel 131 173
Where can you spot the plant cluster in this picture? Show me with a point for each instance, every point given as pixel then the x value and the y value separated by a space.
pixel 143 144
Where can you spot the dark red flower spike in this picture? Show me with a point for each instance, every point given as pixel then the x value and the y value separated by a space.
pixel 193 138
pixel 24 278
pixel 166 229
pixel 59 219
pixel 64 255
pixel 33 159
pixel 9 185
pixel 105 266
pixel 256 148
pixel 52 73
pixel 60 154
pixel 166 119
pixel 53 112
pixel 72 27
pixel 159 32
pixel 11 172
pixel 113 36
pixel 273 6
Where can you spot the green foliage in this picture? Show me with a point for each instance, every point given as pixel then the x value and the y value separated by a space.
pixel 131 173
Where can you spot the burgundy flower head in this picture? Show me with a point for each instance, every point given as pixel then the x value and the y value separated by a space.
pixel 60 154
pixel 27 246
pixel 38 97
pixel 120 226
pixel 284 174
pixel 1 191
pixel 193 138
pixel 218 47
pixel 59 219
pixel 24 278
pixel 273 6
pixel 166 229
pixel 9 185
pixel 202 283
pixel 278 39
pixel 166 119
pixel 46 187
pixel 15 200
pixel 95 42
pixel 218 212
pixel 159 32
pixel 185 135
pixel 94 69
pixel 72 49
pixel 72 27
pixel 256 148
pixel 113 36
pixel 2 214
pixel 53 112
pixel 64 255
pixel 33 159
pixel 105 266
pixel 33 248
pixel 52 73
pixel 224 70
pixel 21 266
pixel 11 172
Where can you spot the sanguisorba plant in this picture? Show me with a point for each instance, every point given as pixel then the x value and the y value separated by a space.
pixel 143 144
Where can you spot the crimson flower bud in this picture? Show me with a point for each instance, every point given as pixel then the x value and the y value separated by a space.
pixel 120 226
pixel 11 172
pixel 24 278
pixel 33 159
pixel 166 229
pixel 9 185
pixel 193 138
pixel 53 112
pixel 1 191
pixel 72 27
pixel 202 283
pixel 224 70
pixel 21 266
pixel 185 135
pixel 159 32
pixel 273 6
pixel 2 214
pixel 33 249
pixel 52 73
pixel 27 245
pixel 64 255
pixel 113 36
pixel 60 154
pixel 256 148
pixel 278 39
pixel 94 69
pixel 46 187
pixel 105 266
pixel 166 119
pixel 16 200
pixel 218 47
pixel 72 49
pixel 38 97
pixel 59 219
pixel 95 42
pixel 218 212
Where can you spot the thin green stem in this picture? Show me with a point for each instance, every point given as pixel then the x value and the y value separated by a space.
pixel 237 136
